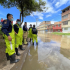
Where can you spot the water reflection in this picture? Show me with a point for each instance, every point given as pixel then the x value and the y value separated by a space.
pixel 63 40
pixel 52 53
pixel 32 60
pixel 56 57
pixel 65 46
pixel 46 37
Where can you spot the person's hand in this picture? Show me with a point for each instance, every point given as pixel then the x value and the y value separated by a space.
pixel 15 33
pixel 9 38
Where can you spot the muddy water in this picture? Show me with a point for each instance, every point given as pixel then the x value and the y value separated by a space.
pixel 52 53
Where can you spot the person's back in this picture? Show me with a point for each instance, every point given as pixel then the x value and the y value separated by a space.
pixel 34 31
pixel 34 34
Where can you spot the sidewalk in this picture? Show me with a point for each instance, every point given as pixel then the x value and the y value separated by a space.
pixel 5 65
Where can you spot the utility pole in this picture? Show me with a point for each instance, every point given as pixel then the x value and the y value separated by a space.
pixel 36 21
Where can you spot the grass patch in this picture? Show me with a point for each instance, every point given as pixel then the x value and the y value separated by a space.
pixel 58 33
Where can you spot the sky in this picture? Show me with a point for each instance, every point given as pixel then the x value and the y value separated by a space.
pixel 53 13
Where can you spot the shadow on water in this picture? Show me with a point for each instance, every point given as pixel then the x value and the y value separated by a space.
pixel 52 53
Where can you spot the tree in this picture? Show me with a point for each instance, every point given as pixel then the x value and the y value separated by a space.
pixel 25 6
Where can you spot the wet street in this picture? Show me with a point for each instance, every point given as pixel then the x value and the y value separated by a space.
pixel 52 53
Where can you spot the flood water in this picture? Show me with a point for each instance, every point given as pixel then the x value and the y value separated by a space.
pixel 52 53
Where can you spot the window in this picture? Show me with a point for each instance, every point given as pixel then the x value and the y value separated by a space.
pixel 65 23
pixel 55 25
pixel 65 28
pixel 63 11
pixel 58 25
pixel 65 16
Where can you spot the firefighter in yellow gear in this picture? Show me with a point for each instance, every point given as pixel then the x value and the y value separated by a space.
pixel 34 35
pixel 25 33
pixel 21 38
pixel 9 35
pixel 18 36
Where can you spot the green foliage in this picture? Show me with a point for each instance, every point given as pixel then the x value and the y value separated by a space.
pixel 31 6
pixel 25 6
pixel 58 33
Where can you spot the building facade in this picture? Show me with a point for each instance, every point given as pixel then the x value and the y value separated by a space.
pixel 62 26
pixel 42 28
pixel 57 27
pixel 66 20
pixel 50 27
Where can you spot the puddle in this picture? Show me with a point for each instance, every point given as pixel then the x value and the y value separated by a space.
pixel 52 53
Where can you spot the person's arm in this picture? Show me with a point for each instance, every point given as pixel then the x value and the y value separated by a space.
pixel 5 25
pixel 16 28
pixel 32 30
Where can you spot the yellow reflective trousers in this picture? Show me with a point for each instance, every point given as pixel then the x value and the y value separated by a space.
pixel 19 38
pixel 34 38
pixel 30 33
pixel 10 45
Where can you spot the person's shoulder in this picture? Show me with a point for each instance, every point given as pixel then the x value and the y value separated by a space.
pixel 33 28
pixel 14 24
pixel 5 22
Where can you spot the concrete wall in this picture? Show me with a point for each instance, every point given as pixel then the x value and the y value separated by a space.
pixel 66 26
pixel 69 23
pixel 66 31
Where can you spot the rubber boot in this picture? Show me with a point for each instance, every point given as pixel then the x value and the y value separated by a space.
pixel 37 43
pixel 13 60
pixel 30 39
pixel 8 57
pixel 16 49
pixel 20 46
pixel 33 43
